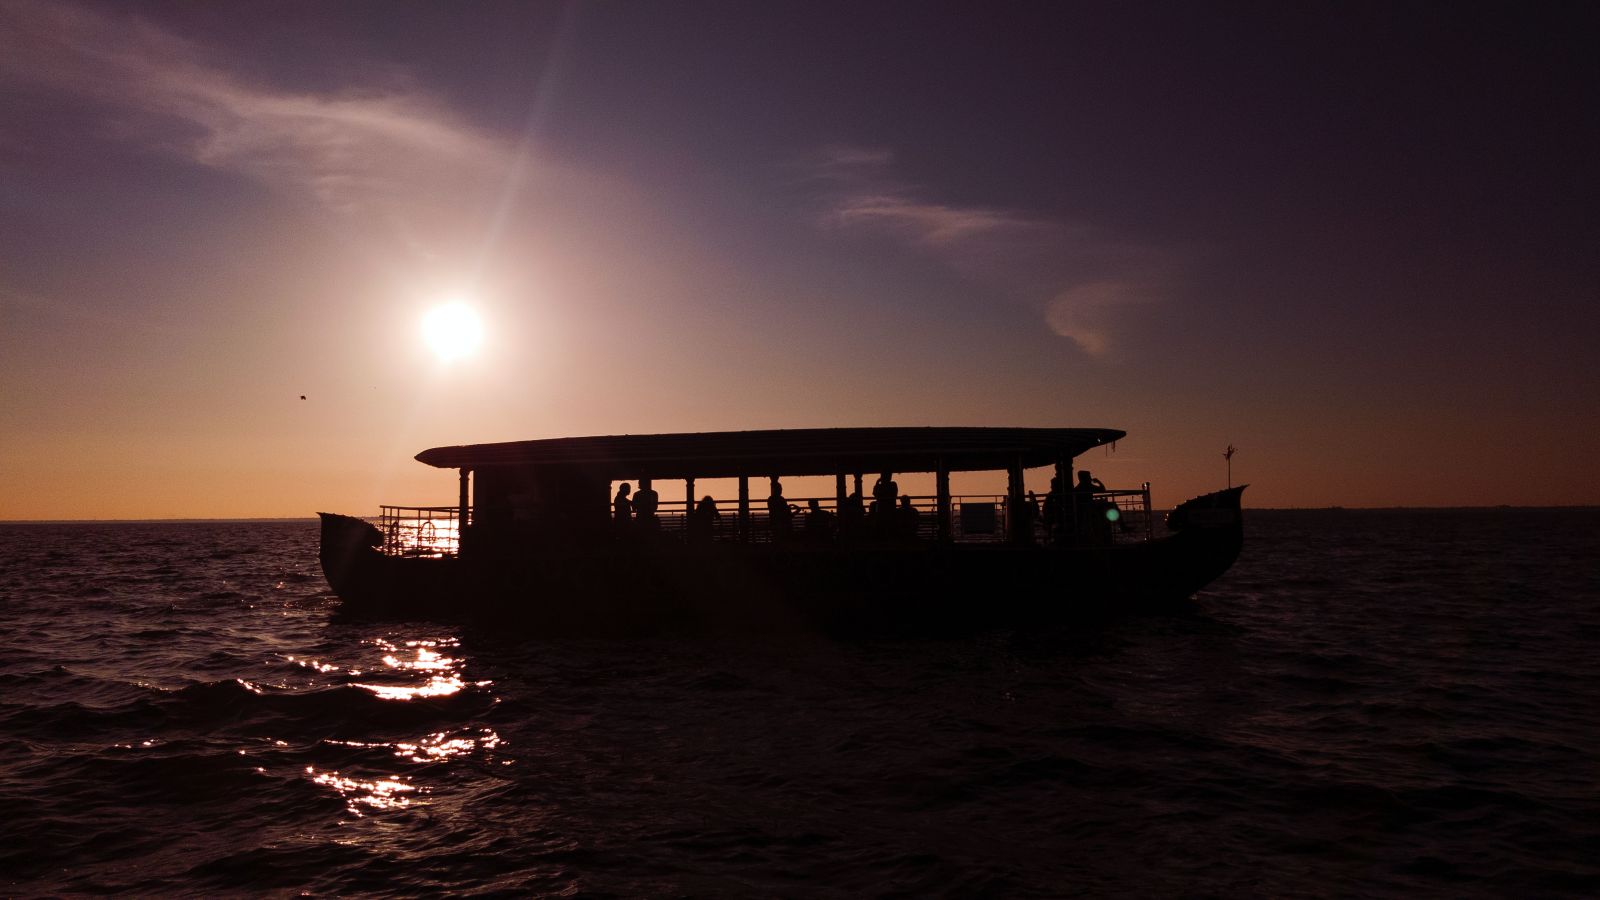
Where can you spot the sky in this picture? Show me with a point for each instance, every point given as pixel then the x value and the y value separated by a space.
pixel 1360 242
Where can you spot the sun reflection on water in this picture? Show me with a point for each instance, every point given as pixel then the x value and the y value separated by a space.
pixel 410 670
pixel 438 686
pixel 317 666
pixel 420 657
pixel 435 747
pixel 443 746
pixel 380 794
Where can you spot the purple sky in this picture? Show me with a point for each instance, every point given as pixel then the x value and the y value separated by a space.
pixel 1360 242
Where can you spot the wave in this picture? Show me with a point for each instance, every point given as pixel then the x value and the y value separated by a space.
pixel 111 711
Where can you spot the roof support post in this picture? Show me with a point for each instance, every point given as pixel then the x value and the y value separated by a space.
pixel 838 491
pixel 942 492
pixel 1015 520
pixel 744 507
pixel 688 501
pixel 1063 485
pixel 464 510
pixel 858 483
pixel 1074 515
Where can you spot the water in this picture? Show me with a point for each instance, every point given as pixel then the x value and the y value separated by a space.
pixel 1373 703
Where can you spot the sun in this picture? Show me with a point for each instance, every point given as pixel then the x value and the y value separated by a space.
pixel 453 330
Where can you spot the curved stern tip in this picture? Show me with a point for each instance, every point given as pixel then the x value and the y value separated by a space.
pixel 348 545
pixel 1219 509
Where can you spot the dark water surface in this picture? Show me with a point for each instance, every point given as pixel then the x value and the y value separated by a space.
pixel 1369 703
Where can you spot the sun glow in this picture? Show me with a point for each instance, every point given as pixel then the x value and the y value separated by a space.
pixel 453 330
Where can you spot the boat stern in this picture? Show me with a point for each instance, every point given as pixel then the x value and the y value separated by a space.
pixel 349 549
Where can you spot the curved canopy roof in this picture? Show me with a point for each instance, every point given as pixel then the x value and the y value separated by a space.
pixel 800 451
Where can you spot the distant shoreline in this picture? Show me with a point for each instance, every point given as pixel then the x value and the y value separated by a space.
pixel 1248 509
pixel 1368 509
pixel 153 521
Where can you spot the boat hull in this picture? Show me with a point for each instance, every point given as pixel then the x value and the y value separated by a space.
pixel 667 586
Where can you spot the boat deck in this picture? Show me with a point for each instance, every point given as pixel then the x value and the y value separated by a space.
pixel 1116 516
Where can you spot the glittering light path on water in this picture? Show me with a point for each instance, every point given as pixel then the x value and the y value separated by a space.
pixel 407 669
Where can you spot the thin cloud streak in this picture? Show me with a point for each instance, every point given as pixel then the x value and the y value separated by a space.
pixel 352 152
pixel 929 224
pixel 1074 276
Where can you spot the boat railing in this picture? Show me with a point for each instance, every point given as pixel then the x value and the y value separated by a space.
pixel 1126 514
pixel 1113 516
pixel 420 531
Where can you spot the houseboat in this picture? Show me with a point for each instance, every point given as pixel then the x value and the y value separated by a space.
pixel 570 535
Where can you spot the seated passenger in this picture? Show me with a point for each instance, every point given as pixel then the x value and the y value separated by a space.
pixel 819 522
pixel 703 521
pixel 907 520
pixel 851 516
pixel 622 507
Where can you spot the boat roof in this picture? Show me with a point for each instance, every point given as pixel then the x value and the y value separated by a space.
pixel 795 451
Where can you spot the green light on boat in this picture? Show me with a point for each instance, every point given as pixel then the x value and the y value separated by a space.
pixel 1113 514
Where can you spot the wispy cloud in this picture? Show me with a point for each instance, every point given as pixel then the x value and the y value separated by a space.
pixel 352 150
pixel 930 224
pixel 862 192
pixel 1074 275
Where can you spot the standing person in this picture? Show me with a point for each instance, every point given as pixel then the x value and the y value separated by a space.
pixel 779 517
pixel 622 507
pixel 1027 514
pixel 645 502
pixel 884 494
pixel 1088 511
pixel 1054 510
pixel 1086 484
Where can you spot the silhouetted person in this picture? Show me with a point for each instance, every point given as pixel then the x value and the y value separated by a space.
pixel 1091 522
pixel 1027 514
pixel 779 518
pixel 852 514
pixel 1055 510
pixel 645 501
pixel 622 507
pixel 1086 484
pixel 819 522
pixel 703 521
pixel 884 493
pixel 907 519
